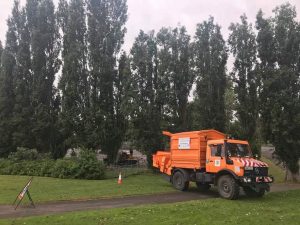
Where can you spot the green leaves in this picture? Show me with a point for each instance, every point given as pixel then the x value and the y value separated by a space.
pixel 74 79
pixel 210 58
pixel 278 47
pixel 105 35
pixel 243 47
pixel 105 96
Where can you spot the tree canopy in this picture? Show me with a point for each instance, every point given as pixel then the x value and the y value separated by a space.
pixel 66 83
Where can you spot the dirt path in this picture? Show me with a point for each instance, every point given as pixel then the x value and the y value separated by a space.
pixel 7 211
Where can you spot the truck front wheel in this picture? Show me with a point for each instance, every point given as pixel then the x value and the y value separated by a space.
pixel 228 187
pixel 179 181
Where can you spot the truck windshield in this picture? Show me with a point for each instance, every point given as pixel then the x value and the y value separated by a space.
pixel 237 150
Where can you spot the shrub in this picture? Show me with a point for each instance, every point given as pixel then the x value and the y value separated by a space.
pixel 4 166
pixel 23 154
pixel 85 167
pixel 65 168
pixel 89 166
pixel 46 167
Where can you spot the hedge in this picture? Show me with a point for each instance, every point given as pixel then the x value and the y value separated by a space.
pixel 30 163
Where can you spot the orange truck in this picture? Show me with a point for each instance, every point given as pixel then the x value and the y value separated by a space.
pixel 208 158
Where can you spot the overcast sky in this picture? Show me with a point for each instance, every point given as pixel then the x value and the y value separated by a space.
pixel 153 14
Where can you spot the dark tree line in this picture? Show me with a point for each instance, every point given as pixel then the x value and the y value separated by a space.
pixel 65 82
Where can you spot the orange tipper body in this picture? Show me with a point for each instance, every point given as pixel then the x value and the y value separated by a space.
pixel 208 158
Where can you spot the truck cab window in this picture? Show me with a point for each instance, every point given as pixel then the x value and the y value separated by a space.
pixel 217 150
pixel 238 150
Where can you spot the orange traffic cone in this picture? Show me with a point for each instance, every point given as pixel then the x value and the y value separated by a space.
pixel 120 179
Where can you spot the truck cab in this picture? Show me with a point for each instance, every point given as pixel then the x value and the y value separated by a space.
pixel 208 158
pixel 227 154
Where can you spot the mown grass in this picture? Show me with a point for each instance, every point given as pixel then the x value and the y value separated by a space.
pixel 274 208
pixel 45 189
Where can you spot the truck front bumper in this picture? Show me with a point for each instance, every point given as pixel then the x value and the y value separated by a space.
pixel 258 179
pixel 257 183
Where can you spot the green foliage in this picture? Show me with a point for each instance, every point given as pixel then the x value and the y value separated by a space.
pixel 64 168
pixel 6 103
pixel 173 70
pixel 210 55
pixel 8 61
pixel 230 107
pixel 278 48
pixel 45 63
pixel 74 80
pixel 29 162
pixel 243 47
pixel 89 167
pixel 105 34
pixel 104 94
pixel 29 168
pixel 27 86
pixel 22 83
pixel 23 154
pixel 146 108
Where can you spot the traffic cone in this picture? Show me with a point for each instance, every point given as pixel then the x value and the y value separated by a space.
pixel 120 179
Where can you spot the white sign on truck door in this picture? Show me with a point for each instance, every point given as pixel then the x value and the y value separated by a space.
pixel 184 143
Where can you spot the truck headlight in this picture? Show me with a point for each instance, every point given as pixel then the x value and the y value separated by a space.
pixel 248 167
pixel 247 179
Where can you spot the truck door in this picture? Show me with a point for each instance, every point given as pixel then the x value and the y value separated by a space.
pixel 215 158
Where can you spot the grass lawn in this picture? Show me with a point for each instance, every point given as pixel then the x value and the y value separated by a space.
pixel 275 170
pixel 274 208
pixel 45 189
pixel 51 189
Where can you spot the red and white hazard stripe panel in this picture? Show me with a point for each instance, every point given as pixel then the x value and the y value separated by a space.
pixel 252 162
pixel 264 179
pixel 268 179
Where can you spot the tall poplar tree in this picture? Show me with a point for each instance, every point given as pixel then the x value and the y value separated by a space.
pixel 265 69
pixel 175 76
pixel 45 50
pixel 8 61
pixel 22 83
pixel 146 113
pixel 210 64
pixel 74 81
pixel 279 51
pixel 106 21
pixel 122 96
pixel 243 47
pixel 62 14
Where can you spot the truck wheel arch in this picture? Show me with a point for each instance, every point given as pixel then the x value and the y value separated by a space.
pixel 183 171
pixel 225 172
pixel 180 179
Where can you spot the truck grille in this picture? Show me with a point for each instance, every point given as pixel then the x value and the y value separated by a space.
pixel 261 171
pixel 257 171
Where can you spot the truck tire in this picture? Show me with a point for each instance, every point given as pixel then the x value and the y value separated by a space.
pixel 228 187
pixel 179 181
pixel 252 193
pixel 203 187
